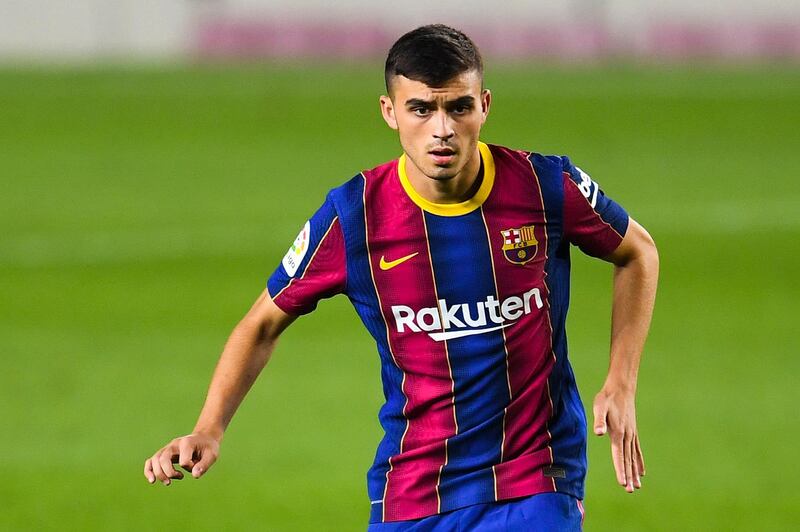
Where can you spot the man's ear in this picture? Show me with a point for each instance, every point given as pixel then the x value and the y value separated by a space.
pixel 387 111
pixel 486 102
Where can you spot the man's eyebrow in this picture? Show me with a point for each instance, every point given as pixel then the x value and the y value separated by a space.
pixel 419 102
pixel 462 101
pixel 413 102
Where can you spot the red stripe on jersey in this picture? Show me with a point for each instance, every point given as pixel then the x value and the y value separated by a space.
pixel 324 276
pixel 395 229
pixel 583 225
pixel 516 203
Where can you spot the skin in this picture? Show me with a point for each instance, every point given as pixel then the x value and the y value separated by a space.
pixel 438 129
pixel 246 352
pixel 635 278
pixel 430 118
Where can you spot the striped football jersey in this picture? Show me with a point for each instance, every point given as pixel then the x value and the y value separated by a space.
pixel 467 304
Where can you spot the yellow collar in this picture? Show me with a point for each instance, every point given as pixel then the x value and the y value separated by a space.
pixel 453 209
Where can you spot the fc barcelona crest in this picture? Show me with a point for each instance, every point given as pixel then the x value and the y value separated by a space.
pixel 519 245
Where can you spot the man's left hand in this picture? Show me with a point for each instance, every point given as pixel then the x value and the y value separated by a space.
pixel 615 414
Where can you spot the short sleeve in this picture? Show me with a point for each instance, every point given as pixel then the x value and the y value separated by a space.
pixel 314 267
pixel 592 220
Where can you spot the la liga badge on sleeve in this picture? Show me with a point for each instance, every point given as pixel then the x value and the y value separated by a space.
pixel 291 261
pixel 519 244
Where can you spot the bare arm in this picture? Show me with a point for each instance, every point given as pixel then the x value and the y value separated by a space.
pixel 635 280
pixel 246 352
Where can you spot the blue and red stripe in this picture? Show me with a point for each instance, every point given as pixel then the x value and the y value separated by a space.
pixel 463 271
pixel 475 417
pixel 397 229
pixel 516 203
pixel 364 297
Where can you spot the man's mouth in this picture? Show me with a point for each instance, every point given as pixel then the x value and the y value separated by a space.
pixel 442 156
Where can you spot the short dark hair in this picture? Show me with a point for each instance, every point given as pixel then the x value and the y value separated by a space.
pixel 433 54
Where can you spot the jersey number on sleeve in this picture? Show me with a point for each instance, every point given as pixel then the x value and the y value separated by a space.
pixel 588 187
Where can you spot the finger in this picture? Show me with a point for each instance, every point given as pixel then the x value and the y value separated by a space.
pixel 148 471
pixel 156 465
pixel 636 475
pixel 599 419
pixel 628 464
pixel 165 459
pixel 186 453
pixel 637 481
pixel 165 464
pixel 639 455
pixel 618 458
pixel 207 459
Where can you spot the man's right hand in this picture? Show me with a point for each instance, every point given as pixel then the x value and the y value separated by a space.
pixel 195 453
pixel 246 353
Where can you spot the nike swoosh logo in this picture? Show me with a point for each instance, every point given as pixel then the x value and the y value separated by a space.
pixel 388 265
pixel 440 336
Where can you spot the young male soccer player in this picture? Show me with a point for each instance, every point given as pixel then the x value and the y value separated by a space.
pixel 456 258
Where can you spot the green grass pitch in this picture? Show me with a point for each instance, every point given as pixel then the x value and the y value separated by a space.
pixel 143 209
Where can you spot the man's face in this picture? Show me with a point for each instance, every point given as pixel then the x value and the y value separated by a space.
pixel 438 126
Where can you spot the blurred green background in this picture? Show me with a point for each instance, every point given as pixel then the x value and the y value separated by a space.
pixel 142 210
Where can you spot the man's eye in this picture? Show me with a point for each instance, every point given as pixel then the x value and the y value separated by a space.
pixel 461 109
pixel 420 111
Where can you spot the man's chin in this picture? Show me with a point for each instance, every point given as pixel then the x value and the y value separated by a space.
pixel 442 173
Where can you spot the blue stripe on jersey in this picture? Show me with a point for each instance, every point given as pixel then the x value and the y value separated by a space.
pixel 568 425
pixel 477 362
pixel 361 290
pixel 609 211
pixel 319 224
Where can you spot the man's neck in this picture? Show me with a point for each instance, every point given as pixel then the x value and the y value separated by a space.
pixel 458 188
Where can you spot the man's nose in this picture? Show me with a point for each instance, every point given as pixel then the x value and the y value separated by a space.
pixel 443 126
